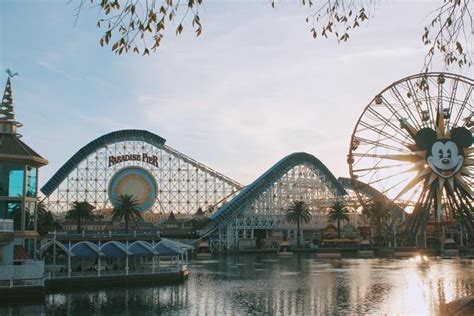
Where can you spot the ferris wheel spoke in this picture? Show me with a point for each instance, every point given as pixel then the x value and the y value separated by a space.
pixel 378 167
pixel 407 158
pixel 415 193
pixel 420 213
pixel 463 106
pixel 383 133
pixel 380 144
pixel 405 106
pixel 421 176
pixel 368 171
pixel 439 98
pixel 389 123
pixel 389 189
pixel 385 178
pixel 463 204
pixel 428 101
pixel 454 90
pixel 426 119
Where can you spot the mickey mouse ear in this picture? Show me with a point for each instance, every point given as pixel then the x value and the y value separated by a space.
pixel 425 138
pixel 461 136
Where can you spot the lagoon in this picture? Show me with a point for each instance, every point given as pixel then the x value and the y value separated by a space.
pixel 269 284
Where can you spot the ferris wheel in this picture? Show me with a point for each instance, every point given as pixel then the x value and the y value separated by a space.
pixel 413 143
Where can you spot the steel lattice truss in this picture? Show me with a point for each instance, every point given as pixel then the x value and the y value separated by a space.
pixel 268 210
pixel 301 183
pixel 184 185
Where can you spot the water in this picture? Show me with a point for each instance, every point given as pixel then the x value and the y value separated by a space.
pixel 268 284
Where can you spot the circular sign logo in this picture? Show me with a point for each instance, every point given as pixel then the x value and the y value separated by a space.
pixel 134 181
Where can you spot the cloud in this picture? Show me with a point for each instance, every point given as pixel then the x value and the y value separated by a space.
pixel 49 64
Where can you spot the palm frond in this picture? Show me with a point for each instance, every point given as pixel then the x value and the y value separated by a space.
pixel 298 212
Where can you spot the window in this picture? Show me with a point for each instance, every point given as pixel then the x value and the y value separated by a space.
pixel 31 176
pixel 11 180
pixel 30 215
pixel 11 210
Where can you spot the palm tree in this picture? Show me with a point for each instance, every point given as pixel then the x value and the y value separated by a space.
pixel 80 211
pixel 297 213
pixel 338 213
pixel 16 216
pixel 46 221
pixel 127 208
pixel 377 215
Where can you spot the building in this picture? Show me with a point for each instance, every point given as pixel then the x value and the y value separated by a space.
pixel 19 165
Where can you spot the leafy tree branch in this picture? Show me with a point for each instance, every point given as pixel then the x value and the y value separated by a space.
pixel 139 26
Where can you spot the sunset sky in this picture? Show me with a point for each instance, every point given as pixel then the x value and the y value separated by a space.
pixel 252 89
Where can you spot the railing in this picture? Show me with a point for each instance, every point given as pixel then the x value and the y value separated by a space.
pixel 30 273
pixel 55 274
pixel 6 226
pixel 105 234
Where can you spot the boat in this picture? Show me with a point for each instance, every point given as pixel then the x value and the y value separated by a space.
pixel 450 249
pixel 284 249
pixel 333 248
pixel 329 253
pixel 365 249
pixel 203 250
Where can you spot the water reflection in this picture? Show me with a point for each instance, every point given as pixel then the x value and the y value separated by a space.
pixel 119 301
pixel 298 285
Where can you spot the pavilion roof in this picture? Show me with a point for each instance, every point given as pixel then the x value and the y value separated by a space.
pixel 14 149
pixel 6 105
pixel 11 147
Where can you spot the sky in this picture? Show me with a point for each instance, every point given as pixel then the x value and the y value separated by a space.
pixel 253 88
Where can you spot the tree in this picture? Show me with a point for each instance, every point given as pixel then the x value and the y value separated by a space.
pixel 377 215
pixel 139 26
pixel 298 213
pixel 46 221
pixel 338 213
pixel 127 208
pixel 80 212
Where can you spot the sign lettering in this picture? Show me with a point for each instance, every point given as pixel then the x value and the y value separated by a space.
pixel 151 159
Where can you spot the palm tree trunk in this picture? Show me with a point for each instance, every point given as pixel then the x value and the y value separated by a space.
pixel 379 235
pixel 338 229
pixel 79 225
pixel 298 233
pixel 126 224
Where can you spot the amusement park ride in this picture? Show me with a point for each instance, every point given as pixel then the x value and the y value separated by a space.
pixel 139 161
pixel 413 143
pixel 411 148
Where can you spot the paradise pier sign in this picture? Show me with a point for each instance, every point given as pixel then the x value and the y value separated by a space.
pixel 151 159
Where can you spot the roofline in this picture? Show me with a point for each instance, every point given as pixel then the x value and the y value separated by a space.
pixel 33 161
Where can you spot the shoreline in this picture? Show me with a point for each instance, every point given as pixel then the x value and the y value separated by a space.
pixel 27 295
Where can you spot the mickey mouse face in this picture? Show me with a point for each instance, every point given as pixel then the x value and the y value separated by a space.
pixel 445 159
